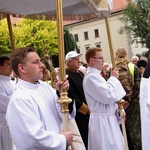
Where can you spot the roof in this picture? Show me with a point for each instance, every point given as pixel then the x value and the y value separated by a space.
pixel 119 5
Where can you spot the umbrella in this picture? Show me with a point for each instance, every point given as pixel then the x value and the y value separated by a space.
pixel 86 8
pixel 46 9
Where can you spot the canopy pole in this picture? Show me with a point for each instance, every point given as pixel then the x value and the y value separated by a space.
pixel 63 100
pixel 120 102
pixel 110 43
pixel 121 111
pixel 10 32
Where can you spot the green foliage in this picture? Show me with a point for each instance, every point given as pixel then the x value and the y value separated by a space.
pixel 5 45
pixel 40 34
pixel 135 21
pixel 37 33
pixel 69 42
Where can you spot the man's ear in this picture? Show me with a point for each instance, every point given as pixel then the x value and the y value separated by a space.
pixel 91 60
pixel 68 62
pixel 21 68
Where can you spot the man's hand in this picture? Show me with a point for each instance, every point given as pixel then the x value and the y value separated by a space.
pixel 115 73
pixel 88 111
pixel 122 114
pixel 69 137
pixel 64 84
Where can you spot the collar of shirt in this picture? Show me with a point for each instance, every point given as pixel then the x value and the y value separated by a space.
pixel 5 77
pixel 27 84
pixel 91 69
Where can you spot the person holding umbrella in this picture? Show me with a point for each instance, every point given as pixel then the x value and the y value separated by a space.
pixel 33 113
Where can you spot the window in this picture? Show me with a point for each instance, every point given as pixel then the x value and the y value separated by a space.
pixel 78 50
pixel 87 46
pixel 96 33
pixel 98 45
pixel 86 36
pixel 76 37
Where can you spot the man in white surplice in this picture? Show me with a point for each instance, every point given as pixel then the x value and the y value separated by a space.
pixel 101 96
pixel 145 108
pixel 7 86
pixel 33 114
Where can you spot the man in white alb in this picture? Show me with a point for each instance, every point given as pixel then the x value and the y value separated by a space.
pixel 101 96
pixel 33 114
pixel 145 107
pixel 7 86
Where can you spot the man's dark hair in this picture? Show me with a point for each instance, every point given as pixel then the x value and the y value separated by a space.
pixel 141 63
pixel 19 57
pixel 2 59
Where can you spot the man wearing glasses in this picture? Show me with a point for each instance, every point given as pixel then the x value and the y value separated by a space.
pixel 101 96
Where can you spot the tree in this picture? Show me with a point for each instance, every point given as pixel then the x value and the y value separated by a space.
pixel 135 19
pixel 40 34
pixel 5 45
pixel 37 33
pixel 69 42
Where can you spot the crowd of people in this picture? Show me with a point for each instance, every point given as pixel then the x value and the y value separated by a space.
pixel 30 117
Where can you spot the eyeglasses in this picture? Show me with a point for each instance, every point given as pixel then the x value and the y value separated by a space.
pixel 98 58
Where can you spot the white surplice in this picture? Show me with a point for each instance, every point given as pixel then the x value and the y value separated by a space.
pixel 34 117
pixel 7 86
pixel 145 112
pixel 104 129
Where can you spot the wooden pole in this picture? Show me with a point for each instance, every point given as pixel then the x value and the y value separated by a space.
pixel 10 32
pixel 110 42
pixel 121 110
pixel 120 103
pixel 63 100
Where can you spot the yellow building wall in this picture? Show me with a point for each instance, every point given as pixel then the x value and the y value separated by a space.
pixel 118 40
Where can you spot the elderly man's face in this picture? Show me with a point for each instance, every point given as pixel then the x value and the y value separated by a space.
pixel 74 63
pixel 134 61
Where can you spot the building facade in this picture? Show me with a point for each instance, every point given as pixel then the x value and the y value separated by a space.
pixel 93 33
